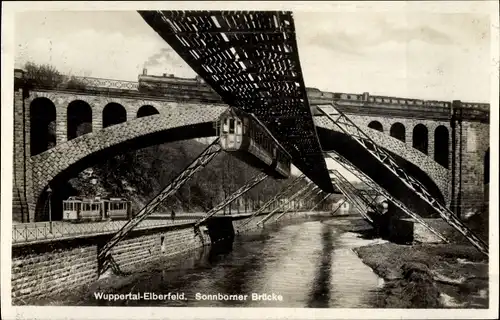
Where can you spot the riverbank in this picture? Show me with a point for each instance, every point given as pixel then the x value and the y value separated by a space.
pixel 429 276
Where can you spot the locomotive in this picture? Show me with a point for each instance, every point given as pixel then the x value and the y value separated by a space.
pixel 243 135
pixel 77 209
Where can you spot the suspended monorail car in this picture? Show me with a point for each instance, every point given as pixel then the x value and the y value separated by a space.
pixel 77 209
pixel 249 140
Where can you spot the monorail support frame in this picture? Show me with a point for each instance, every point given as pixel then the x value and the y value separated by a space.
pixel 351 129
pixel 372 184
pixel 350 193
pixel 280 194
pixel 200 162
pixel 339 206
pixel 308 193
pixel 321 201
pixel 293 197
pixel 235 195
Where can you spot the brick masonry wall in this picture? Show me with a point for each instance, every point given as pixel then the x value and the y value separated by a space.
pixel 137 251
pixel 19 207
pixel 42 274
pixel 475 143
pixel 43 271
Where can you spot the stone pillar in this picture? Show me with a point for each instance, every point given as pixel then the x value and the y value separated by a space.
pixel 19 205
pixel 61 120
pixel 431 129
pixel 409 134
pixel 96 116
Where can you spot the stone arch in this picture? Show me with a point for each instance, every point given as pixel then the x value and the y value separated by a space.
pixel 146 110
pixel 421 138
pixel 398 131
pixel 414 163
pixel 113 113
pixel 69 158
pixel 79 119
pixel 376 125
pixel 42 125
pixel 433 176
pixel 441 147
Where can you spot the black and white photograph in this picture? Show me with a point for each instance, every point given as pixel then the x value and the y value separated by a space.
pixel 250 160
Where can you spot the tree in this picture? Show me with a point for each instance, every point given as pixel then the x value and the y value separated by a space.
pixel 46 75
pixel 43 75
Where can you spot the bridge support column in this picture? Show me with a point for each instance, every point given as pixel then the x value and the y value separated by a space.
pixel 20 211
pixel 201 161
pixel 61 122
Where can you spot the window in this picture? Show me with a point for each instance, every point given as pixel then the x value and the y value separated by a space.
pixel 231 125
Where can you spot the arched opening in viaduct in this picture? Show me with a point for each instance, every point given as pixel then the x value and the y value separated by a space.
pixel 79 119
pixel 441 149
pixel 146 110
pixel 421 138
pixel 42 125
pixel 61 189
pixel 376 125
pixel 398 131
pixel 113 113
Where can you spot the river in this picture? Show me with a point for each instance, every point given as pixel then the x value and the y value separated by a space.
pixel 307 264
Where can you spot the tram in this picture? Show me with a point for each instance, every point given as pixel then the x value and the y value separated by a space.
pixel 244 136
pixel 77 209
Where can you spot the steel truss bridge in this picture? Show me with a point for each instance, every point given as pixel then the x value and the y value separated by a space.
pixel 251 60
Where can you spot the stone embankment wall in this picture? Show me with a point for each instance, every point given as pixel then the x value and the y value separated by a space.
pixel 44 270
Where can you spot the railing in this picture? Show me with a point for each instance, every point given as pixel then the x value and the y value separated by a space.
pixel 42 231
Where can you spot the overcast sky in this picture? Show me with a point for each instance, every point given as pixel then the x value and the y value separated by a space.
pixel 417 55
pixel 421 55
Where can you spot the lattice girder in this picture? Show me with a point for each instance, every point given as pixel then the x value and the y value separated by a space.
pixel 303 195
pixel 351 129
pixel 278 196
pixel 360 206
pixel 200 162
pixel 235 195
pixel 293 197
pixel 321 201
pixel 381 191
pixel 250 58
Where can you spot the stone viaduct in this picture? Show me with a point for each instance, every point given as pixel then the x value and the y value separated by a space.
pixel 61 130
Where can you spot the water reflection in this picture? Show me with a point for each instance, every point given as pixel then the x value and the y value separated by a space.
pixel 310 264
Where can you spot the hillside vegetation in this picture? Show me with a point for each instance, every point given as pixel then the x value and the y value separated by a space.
pixel 140 175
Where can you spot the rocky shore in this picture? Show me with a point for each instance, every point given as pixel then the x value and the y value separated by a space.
pixel 429 275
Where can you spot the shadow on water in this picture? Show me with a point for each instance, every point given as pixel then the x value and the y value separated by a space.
pixel 320 296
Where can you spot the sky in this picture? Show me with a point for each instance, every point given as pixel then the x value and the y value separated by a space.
pixel 418 55
pixel 437 56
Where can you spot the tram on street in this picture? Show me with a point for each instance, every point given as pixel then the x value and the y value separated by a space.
pixel 77 209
